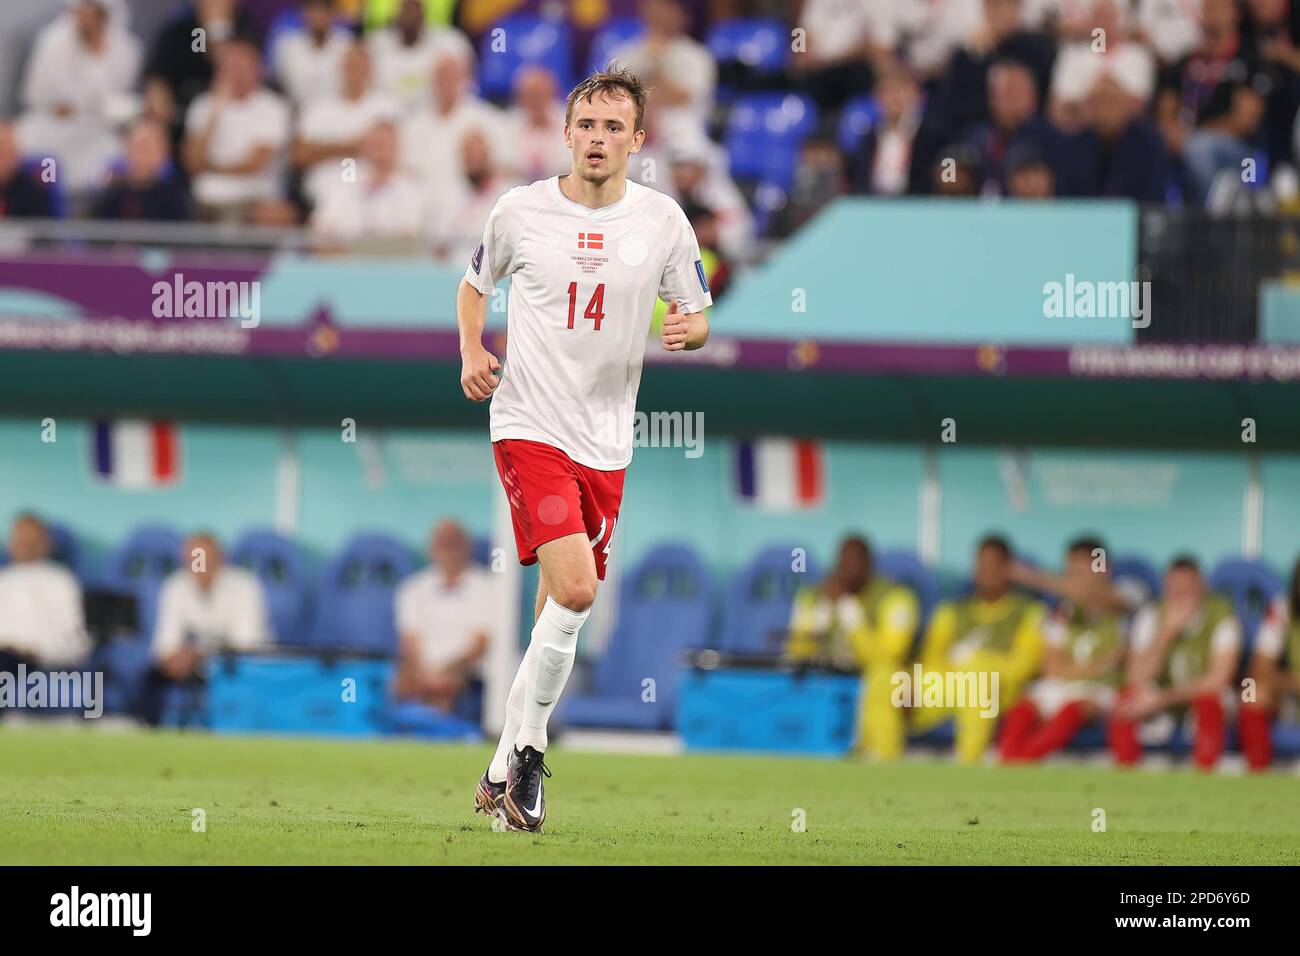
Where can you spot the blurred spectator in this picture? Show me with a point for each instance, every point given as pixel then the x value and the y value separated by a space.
pixel 1183 657
pixel 885 162
pixel 77 82
pixel 1269 35
pixel 1120 154
pixel 536 127
pixel 819 178
pixel 843 37
pixel 1028 173
pixel 205 607
pixel 148 187
pixel 699 175
pixel 235 138
pixel 859 620
pixel 41 618
pixel 956 171
pixel 1171 28
pixel 405 53
pixel 680 70
pixel 307 61
pixel 22 193
pixel 445 620
pixel 1013 119
pixel 431 139
pixel 929 31
pixel 378 202
pixel 1081 64
pixel 1210 105
pixel 332 128
pixel 183 58
pixel 708 232
pixel 1083 666
pixel 1275 668
pixel 457 228
pixel 995 630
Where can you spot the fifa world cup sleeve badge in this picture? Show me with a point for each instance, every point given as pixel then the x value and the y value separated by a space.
pixel 699 271
pixel 477 261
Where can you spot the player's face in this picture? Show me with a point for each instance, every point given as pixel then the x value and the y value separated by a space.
pixel 992 572
pixel 601 134
pixel 1183 586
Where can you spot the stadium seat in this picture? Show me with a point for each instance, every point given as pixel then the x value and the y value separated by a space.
pixel 764 134
pixel 355 611
pixel 613 35
pixel 527 40
pixel 762 44
pixel 904 567
pixel 280 565
pixel 758 601
pixel 1252 586
pixel 665 607
pixel 139 566
pixel 1136 576
pixel 859 115
pixel 35 166
pixel 481 550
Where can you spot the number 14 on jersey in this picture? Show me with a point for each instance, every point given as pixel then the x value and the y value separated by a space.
pixel 595 305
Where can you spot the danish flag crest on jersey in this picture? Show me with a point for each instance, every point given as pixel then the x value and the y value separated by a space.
pixel 591 240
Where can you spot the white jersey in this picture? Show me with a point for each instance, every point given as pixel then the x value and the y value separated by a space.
pixel 583 284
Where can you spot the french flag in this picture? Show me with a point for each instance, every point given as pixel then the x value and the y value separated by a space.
pixel 133 453
pixel 780 474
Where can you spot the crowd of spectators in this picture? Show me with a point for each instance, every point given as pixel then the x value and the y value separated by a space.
pixel 364 120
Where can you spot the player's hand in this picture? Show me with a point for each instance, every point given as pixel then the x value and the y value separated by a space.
pixel 676 329
pixel 1144 702
pixel 476 373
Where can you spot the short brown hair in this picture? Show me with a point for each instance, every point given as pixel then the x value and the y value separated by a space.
pixel 610 82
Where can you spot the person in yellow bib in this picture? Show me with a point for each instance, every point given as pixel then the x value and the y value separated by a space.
pixel 858 620
pixel 995 631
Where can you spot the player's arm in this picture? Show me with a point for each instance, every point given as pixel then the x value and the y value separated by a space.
pixel 477 364
pixel 684 331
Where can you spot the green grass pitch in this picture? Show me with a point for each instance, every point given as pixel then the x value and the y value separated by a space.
pixel 69 796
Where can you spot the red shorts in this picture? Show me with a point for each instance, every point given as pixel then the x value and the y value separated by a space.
pixel 551 495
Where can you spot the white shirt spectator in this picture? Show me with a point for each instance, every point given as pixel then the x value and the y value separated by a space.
pixel 337 119
pixel 404 71
pixel 1078 68
pixel 356 210
pixel 259 119
pixel 928 31
pixel 1171 27
pixel 445 619
pixel 536 152
pixel 308 72
pixel 431 142
pixel 1270 640
pixel 689 66
pixel 92 89
pixel 719 193
pixel 455 228
pixel 230 616
pixel 41 615
pixel 836 28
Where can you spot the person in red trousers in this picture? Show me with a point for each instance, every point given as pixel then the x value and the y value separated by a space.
pixel 1275 668
pixel 1086 644
pixel 1183 656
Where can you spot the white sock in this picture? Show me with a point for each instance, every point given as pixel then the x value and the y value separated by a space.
pixel 555 635
pixel 514 713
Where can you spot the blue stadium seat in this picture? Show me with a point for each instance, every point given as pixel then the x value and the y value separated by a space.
pixel 1252 586
pixel 355 610
pixel 762 44
pixel 859 115
pixel 528 40
pixel 1138 574
pixel 613 35
pixel 665 607
pixel 757 609
pixel 139 566
pixel 764 134
pixel 904 567
pixel 280 565
pixel 481 550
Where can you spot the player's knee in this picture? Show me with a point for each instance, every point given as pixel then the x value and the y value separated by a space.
pixel 578 595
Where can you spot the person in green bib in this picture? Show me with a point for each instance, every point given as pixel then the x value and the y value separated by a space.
pixel 1183 657
pixel 1086 642
pixel 1275 668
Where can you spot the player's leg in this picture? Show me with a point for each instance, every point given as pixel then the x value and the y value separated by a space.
pixel 569 571
pixel 1211 730
pixel 1017 729
pixel 1122 734
pixel 883 726
pixel 1254 726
